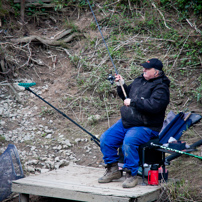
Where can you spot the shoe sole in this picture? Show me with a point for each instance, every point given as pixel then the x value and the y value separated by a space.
pixel 110 180
pixel 130 186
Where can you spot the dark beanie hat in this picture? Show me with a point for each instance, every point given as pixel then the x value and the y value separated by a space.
pixel 153 63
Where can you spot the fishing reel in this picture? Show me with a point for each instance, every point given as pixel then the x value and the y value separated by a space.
pixel 111 78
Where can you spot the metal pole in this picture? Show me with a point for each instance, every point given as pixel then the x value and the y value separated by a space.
pixel 27 85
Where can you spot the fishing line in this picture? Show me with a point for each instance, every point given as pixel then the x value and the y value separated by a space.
pixel 110 78
pixel 102 37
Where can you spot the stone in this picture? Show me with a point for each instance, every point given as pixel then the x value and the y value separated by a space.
pixel 94 118
pixel 1 111
pixel 48 131
pixel 57 159
pixel 32 162
pixel 44 170
pixel 78 140
pixel 18 88
pixel 67 142
pixel 48 136
pixel 30 169
pixel 49 164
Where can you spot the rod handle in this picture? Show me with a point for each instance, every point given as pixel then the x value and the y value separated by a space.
pixel 124 92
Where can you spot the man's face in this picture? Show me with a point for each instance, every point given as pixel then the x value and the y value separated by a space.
pixel 149 73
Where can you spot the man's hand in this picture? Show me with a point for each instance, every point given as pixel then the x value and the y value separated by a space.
pixel 119 80
pixel 127 102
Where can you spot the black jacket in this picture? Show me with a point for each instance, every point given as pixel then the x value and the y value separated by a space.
pixel 149 99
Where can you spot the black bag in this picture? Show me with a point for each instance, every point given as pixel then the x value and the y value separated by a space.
pixel 130 117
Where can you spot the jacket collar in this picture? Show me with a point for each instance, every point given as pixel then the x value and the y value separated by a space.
pixel 161 79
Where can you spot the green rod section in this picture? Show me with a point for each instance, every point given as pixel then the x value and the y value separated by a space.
pixel 175 150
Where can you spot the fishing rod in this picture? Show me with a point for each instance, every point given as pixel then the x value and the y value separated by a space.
pixel 111 78
pixel 27 87
pixel 177 151
pixel 176 155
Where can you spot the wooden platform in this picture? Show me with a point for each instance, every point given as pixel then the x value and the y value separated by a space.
pixel 80 183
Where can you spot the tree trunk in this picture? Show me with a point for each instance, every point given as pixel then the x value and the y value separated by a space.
pixel 22 11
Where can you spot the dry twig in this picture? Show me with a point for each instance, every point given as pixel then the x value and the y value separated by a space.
pixel 161 15
pixel 194 26
pixel 12 88
pixel 51 42
pixel 180 52
pixel 106 111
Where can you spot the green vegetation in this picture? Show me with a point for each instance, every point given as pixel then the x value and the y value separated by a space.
pixel 3 11
pixel 184 7
pixel 184 47
pixel 43 135
pixel 181 191
pixel 47 111
pixel 2 139
pixel 59 4
pixel 198 91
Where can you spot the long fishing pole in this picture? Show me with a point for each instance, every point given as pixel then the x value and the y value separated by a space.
pixel 177 151
pixel 111 78
pixel 27 85
pixel 176 155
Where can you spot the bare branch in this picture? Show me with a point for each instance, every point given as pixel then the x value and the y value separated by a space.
pixel 161 15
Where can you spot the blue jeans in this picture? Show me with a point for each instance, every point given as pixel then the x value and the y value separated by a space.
pixel 130 138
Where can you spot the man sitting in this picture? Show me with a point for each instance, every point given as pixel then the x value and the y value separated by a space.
pixel 142 117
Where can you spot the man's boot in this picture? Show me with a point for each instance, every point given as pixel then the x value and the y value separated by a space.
pixel 112 172
pixel 130 181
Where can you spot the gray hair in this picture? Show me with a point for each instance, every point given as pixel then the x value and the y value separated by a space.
pixel 160 72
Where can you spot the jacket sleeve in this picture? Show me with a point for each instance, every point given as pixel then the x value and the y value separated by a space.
pixel 157 102
pixel 120 91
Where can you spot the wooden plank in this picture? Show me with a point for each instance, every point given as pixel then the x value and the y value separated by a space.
pixel 70 194
pixel 80 183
